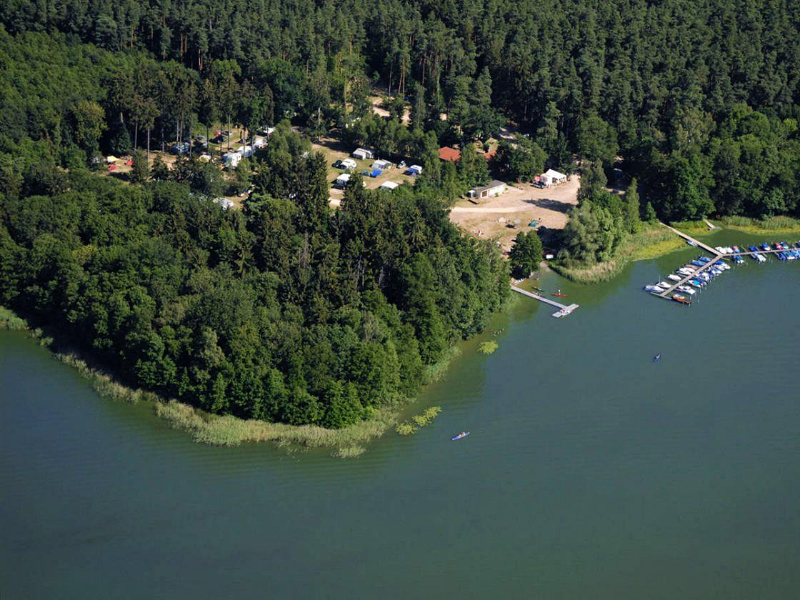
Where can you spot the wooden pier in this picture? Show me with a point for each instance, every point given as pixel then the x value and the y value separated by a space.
pixel 716 257
pixel 563 310
pixel 689 238
pixel 708 265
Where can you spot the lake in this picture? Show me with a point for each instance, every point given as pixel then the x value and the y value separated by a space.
pixel 590 471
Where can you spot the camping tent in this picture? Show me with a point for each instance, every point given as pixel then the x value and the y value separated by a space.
pixel 363 154
pixel 415 170
pixel 389 185
pixel 552 177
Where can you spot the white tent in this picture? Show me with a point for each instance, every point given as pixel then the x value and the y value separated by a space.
pixel 552 177
pixel 363 154
pixel 389 185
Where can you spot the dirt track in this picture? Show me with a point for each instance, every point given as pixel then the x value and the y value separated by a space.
pixel 524 203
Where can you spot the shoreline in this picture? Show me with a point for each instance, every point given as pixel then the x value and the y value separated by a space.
pixel 230 431
pixel 649 244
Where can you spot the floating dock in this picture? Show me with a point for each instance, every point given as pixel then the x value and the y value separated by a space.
pixel 563 309
pixel 716 257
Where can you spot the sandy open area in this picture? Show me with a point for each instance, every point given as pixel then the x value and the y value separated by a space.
pixel 490 219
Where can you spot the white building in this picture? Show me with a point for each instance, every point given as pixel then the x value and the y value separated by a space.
pixel 495 188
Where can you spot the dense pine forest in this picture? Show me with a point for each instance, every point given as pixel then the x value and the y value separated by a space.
pixel 289 312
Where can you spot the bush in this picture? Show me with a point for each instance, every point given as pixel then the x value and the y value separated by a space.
pixel 488 347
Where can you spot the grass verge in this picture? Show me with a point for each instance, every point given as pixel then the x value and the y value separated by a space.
pixel 651 242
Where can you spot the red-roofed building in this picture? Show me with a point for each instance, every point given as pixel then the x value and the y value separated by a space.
pixel 449 154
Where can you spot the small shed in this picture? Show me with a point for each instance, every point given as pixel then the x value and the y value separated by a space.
pixel 341 181
pixel 449 154
pixel 495 188
pixel 415 170
pixel 389 185
pixel 363 154
pixel 382 165
pixel 552 177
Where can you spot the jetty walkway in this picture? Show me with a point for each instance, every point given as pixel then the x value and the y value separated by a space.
pixel 691 239
pixel 563 309
pixel 716 257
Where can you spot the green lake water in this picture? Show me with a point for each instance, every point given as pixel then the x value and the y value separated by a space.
pixel 590 471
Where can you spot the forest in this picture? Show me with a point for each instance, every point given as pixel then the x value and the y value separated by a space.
pixel 282 311
pixel 287 311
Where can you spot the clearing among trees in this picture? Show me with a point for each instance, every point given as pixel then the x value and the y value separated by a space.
pixel 492 219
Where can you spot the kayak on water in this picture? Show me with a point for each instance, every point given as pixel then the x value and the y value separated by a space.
pixel 461 435
pixel 559 295
pixel 657 358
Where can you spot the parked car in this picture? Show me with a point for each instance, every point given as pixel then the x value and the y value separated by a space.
pixel 181 148
pixel 220 138
pixel 401 164
pixel 338 165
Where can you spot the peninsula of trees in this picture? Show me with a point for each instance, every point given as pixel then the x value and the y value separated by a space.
pixel 285 310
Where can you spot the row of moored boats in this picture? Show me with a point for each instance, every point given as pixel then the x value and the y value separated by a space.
pixel 694 275
pixel 697 274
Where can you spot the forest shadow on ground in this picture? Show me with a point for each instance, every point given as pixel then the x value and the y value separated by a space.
pixel 554 205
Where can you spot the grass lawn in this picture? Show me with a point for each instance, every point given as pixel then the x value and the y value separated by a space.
pixel 334 150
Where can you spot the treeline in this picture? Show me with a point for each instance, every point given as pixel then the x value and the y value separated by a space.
pixel 699 99
pixel 282 311
pixel 602 221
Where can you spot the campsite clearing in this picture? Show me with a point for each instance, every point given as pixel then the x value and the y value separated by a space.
pixel 334 150
pixel 523 202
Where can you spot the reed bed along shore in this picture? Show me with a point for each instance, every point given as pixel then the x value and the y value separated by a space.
pixel 651 242
pixel 765 226
pixel 227 430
